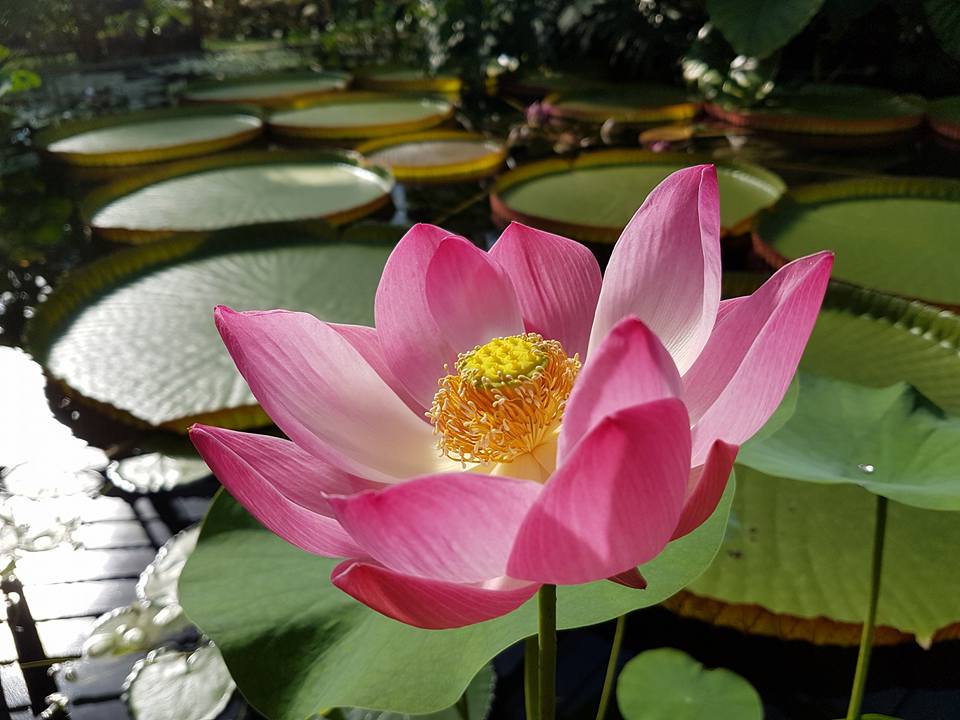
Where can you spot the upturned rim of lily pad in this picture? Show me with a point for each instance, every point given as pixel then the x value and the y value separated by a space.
pixel 441 172
pixel 339 80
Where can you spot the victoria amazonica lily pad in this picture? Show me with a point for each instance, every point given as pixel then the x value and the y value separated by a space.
pixel 359 116
pixel 436 155
pixel 898 235
pixel 625 104
pixel 151 136
pixel 134 331
pixel 592 197
pixel 211 194
pixel 830 110
pixel 400 79
pixel 271 90
pixel 296 644
pixel 944 116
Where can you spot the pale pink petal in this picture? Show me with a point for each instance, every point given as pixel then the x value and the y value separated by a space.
pixel 744 371
pixel 613 504
pixel 705 487
pixel 665 269
pixel 630 367
pixel 430 604
pixel 470 297
pixel 631 579
pixel 253 488
pixel 557 281
pixel 325 397
pixel 412 343
pixel 364 339
pixel 457 527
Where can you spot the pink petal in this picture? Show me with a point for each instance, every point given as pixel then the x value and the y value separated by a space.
pixel 557 281
pixel 630 367
pixel 744 371
pixel 229 456
pixel 470 297
pixel 665 269
pixel 365 341
pixel 325 397
pixel 412 343
pixel 705 487
pixel 631 579
pixel 457 527
pixel 430 604
pixel 615 501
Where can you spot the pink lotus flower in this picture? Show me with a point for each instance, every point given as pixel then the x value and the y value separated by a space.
pixel 581 426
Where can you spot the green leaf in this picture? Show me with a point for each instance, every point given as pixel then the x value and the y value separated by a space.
pixel 944 19
pixel 294 643
pixel 667 684
pixel 757 28
pixel 890 441
pixel 803 549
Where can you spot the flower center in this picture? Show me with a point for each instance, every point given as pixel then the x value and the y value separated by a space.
pixel 504 399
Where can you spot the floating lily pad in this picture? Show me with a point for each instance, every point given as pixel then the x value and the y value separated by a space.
pixel 400 79
pixel 158 581
pixel 358 116
pixel 667 684
pixel 132 629
pixel 594 196
pixel 158 471
pixel 623 103
pixel 436 155
pixel 944 116
pixel 134 333
pixel 296 644
pixel 538 84
pixel 830 110
pixel 209 194
pixel 151 136
pixel 268 90
pixel 897 234
pixel 890 441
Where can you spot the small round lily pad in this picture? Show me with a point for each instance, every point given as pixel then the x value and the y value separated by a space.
pixel 436 155
pixel 629 104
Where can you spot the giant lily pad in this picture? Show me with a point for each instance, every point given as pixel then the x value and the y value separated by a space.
pixel 890 441
pixel 134 333
pixel 625 104
pixel 896 235
pixel 436 155
pixel 151 136
pixel 593 197
pixel 295 644
pixel 359 116
pixel 209 194
pixel 944 116
pixel 829 110
pixel 401 79
pixel 268 90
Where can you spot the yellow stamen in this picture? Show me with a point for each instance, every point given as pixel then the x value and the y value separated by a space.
pixel 504 400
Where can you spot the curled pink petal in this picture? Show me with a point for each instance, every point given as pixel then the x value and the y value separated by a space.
pixel 320 391
pixel 557 281
pixel 630 367
pixel 705 487
pixel 744 371
pixel 665 269
pixel 614 502
pixel 424 603
pixel 242 464
pixel 457 527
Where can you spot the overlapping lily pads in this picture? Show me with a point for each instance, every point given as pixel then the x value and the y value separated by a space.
pixel 592 197
pixel 304 645
pixel 134 333
pixel 894 234
pixel 237 190
pixel 150 136
pixel 629 104
pixel 268 90
pixel 436 155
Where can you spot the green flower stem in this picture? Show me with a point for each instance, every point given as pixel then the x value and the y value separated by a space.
pixel 531 676
pixel 547 600
pixel 866 637
pixel 611 668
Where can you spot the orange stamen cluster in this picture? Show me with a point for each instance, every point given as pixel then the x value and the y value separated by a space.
pixel 504 399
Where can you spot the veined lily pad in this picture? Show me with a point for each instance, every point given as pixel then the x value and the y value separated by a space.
pixel 436 155
pixel 629 104
pixel 830 110
pixel 896 234
pixel 890 441
pixel 134 333
pixel 399 79
pixel 152 136
pixel 296 644
pixel 207 194
pixel 593 197
pixel 268 90
pixel 944 116
pixel 358 116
